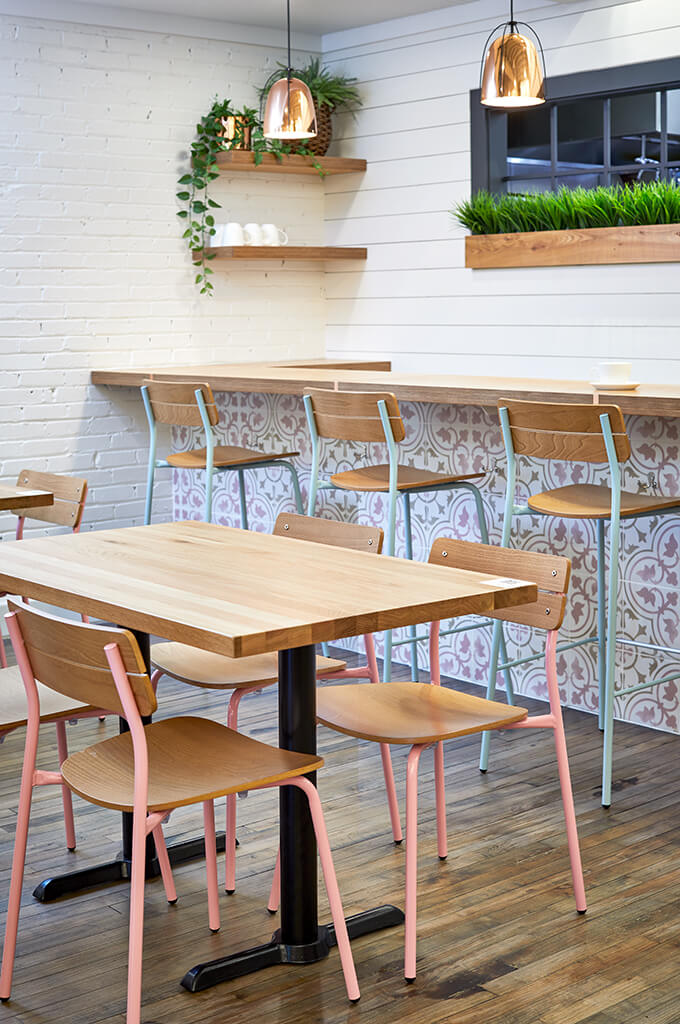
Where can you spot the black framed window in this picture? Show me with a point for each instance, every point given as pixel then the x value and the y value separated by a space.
pixel 617 125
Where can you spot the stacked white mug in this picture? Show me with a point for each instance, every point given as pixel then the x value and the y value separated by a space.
pixel 251 234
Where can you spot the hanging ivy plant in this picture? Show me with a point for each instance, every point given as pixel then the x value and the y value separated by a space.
pixel 222 128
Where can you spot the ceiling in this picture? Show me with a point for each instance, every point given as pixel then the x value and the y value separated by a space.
pixel 311 16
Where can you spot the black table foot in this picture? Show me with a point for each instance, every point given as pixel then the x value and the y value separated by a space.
pixel 117 870
pixel 204 976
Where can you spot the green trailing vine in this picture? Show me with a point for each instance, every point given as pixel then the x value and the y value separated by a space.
pixel 197 205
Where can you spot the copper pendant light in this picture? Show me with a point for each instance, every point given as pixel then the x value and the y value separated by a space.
pixel 512 74
pixel 289 113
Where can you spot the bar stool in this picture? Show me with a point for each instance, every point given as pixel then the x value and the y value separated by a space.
pixel 581 433
pixel 369 417
pixel 252 674
pixel 187 404
pixel 421 715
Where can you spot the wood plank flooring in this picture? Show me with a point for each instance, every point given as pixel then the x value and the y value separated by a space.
pixel 499 940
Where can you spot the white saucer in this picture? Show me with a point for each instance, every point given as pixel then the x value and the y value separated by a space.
pixel 630 385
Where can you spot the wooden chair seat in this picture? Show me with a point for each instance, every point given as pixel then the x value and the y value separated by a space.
pixel 376 478
pixel 591 501
pixel 14 708
pixel 409 712
pixel 215 671
pixel 190 760
pixel 224 455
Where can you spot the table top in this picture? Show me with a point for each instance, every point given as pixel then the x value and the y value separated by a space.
pixel 450 389
pixel 239 593
pixel 12 497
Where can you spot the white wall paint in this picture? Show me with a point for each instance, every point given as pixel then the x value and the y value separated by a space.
pixel 94 132
pixel 415 301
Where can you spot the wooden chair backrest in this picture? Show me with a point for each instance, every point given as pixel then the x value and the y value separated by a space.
pixel 556 430
pixel 69 498
pixel 175 402
pixel 550 573
pixel 354 415
pixel 69 657
pixel 329 531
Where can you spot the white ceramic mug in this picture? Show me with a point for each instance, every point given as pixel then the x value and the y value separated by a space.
pixel 253 234
pixel 271 235
pixel 231 234
pixel 614 373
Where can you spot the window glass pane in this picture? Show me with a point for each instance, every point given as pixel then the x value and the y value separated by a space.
pixel 673 126
pixel 585 180
pixel 579 135
pixel 528 142
pixel 636 133
pixel 523 186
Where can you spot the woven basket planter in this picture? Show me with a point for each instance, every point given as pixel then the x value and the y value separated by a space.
pixel 320 143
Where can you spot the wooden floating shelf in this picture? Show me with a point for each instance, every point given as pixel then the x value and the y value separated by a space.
pixel 290 163
pixel 652 243
pixel 317 253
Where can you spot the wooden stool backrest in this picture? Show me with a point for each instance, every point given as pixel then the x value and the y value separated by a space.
pixel 354 415
pixel 573 433
pixel 69 498
pixel 550 573
pixel 329 531
pixel 69 657
pixel 175 402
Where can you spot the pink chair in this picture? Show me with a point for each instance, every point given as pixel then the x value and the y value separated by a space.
pixel 148 771
pixel 250 675
pixel 424 714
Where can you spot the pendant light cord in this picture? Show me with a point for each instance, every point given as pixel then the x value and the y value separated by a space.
pixel 288 22
pixel 512 20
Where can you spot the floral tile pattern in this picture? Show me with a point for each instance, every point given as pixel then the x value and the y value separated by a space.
pixel 468 438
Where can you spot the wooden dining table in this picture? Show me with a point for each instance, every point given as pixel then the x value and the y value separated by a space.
pixel 239 593
pixel 13 497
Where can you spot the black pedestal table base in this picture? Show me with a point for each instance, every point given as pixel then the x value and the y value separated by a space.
pixel 276 952
pixel 300 939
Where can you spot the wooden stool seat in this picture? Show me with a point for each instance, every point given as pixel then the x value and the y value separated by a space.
pixel 409 712
pixel 190 760
pixel 377 478
pixel 591 501
pixel 224 455
pixel 215 671
pixel 14 708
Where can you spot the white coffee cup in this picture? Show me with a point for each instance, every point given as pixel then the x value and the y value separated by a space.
pixel 252 234
pixel 614 373
pixel 231 234
pixel 271 235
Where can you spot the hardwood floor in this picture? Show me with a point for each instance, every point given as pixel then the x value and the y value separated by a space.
pixel 499 941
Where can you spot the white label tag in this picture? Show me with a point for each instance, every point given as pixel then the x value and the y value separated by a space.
pixel 504 581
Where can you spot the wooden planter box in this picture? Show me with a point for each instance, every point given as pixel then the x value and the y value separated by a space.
pixel 654 243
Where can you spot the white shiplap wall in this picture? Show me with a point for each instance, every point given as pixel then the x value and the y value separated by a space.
pixel 414 300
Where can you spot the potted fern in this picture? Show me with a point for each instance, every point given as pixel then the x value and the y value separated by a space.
pixel 330 92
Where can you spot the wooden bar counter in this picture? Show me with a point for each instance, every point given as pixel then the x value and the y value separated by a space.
pixel 293 378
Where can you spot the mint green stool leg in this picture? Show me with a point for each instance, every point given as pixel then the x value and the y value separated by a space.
pixel 391 520
pixel 297 493
pixel 408 541
pixel 152 454
pixel 601 637
pixel 242 499
pixel 614 538
pixel 496 638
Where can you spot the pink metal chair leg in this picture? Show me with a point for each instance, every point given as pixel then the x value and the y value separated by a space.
pixel 391 789
pixel 155 678
pixel 275 891
pixel 18 862
pixel 230 837
pixel 563 770
pixel 164 864
pixel 66 798
pixel 440 793
pixel 411 862
pixel 211 866
pixel 136 939
pixel 332 890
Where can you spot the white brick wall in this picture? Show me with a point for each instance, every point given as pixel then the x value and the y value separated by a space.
pixel 94 131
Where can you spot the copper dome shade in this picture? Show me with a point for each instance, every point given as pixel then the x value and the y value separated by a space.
pixel 290 112
pixel 512 73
